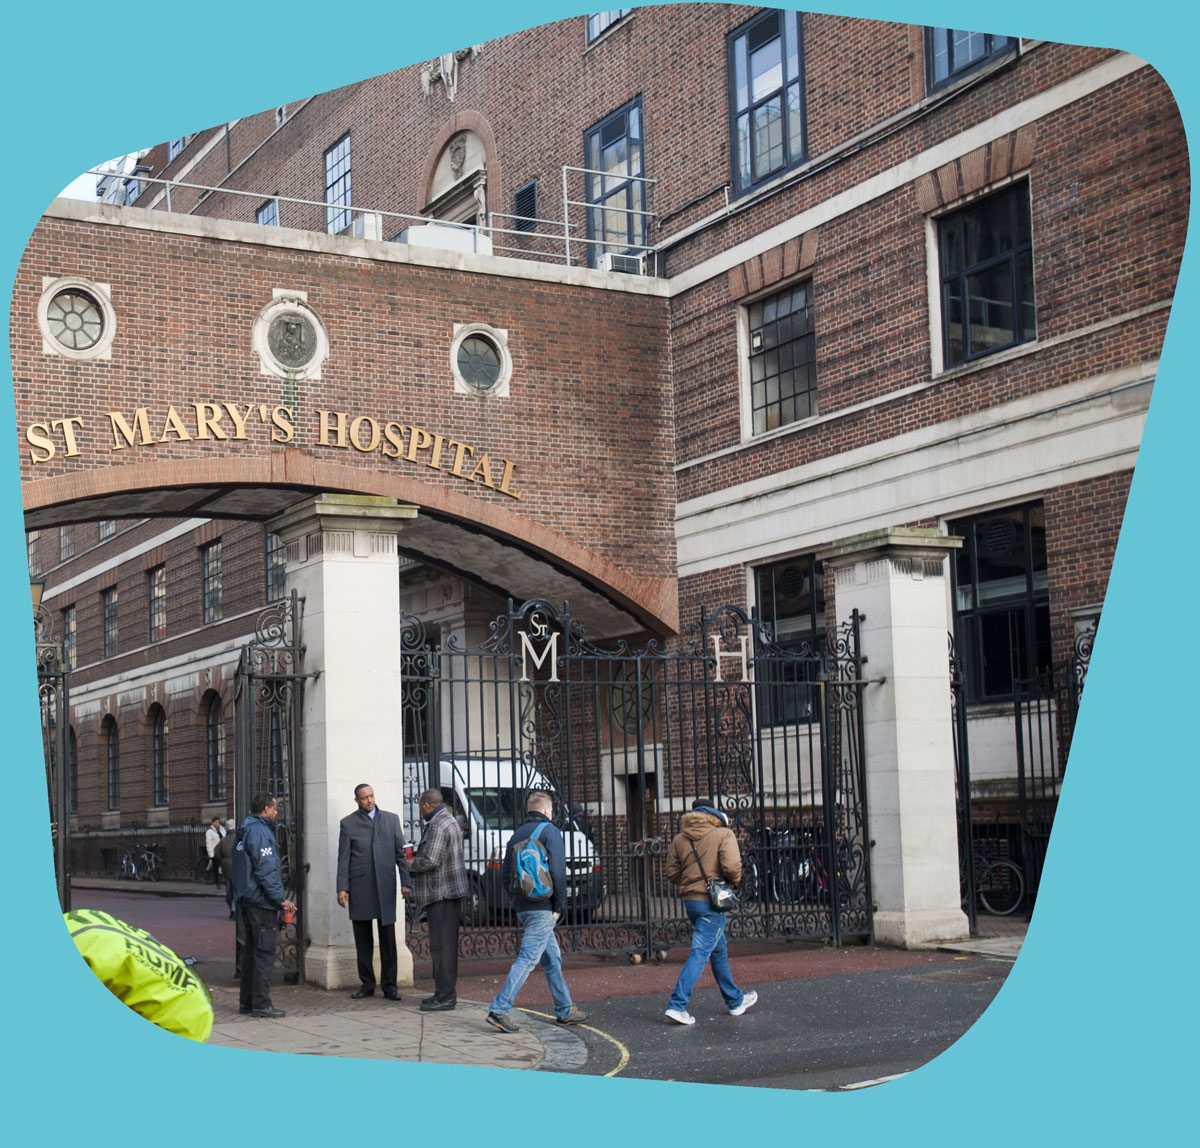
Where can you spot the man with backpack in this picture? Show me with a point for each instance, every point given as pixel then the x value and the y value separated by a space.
pixel 535 874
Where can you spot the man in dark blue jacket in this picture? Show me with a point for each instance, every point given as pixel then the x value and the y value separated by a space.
pixel 538 918
pixel 258 890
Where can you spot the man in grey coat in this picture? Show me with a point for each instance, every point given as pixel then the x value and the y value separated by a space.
pixel 370 850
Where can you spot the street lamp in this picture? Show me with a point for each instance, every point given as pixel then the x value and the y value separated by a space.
pixel 56 742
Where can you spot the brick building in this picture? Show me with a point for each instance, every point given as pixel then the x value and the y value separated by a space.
pixel 769 307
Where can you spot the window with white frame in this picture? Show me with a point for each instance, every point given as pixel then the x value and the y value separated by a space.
pixel 33 551
pixel 214 724
pixel 985 268
pixel 66 543
pixel 781 358
pixel 108 611
pixel 268 214
pixel 210 560
pixel 337 186
pixel 69 628
pixel 599 22
pixel 615 183
pixel 107 528
pixel 175 148
pixel 157 584
pixel 766 98
pixel 953 52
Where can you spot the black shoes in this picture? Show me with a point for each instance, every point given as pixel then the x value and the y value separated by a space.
pixel 361 994
pixel 271 1013
pixel 391 995
pixel 438 1004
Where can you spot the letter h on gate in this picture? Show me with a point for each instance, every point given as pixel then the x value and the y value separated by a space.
pixel 743 655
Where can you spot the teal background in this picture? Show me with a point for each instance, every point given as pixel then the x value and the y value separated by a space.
pixel 1089 1038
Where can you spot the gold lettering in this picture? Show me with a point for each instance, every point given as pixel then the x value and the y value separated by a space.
pixel 460 449
pixel 174 424
pixel 281 420
pixel 435 460
pixel 207 417
pixel 509 467
pixel 394 433
pixel 418 439
pixel 239 420
pixel 68 430
pixel 140 420
pixel 374 443
pixel 323 435
pixel 39 442
pixel 484 467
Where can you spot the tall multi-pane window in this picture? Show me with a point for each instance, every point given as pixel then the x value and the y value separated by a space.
pixel 215 749
pixel 781 344
pixel 159 755
pixel 66 543
pixel 766 98
pixel 268 214
pixel 108 611
pixel 985 257
pixel 175 148
pixel 68 622
pixel 276 568
pixel 112 753
pixel 33 549
pixel 599 22
pixel 614 159
pixel 210 558
pixel 337 186
pixel 107 528
pixel 1001 600
pixel 952 52
pixel 790 598
pixel 156 580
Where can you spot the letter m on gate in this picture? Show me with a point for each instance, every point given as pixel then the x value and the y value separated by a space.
pixel 550 650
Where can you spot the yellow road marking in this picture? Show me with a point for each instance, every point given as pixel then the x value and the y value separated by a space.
pixel 591 1028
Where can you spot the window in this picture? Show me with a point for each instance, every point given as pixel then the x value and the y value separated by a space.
pixel 33 551
pixel 108 608
pixel 175 147
pixel 68 621
pixel 781 345
pixel 985 254
pixel 1001 600
pixel 211 562
pixel 337 186
pixel 600 21
pixel 157 581
pixel 215 749
pixel 76 318
pixel 159 754
pixel 108 527
pixel 66 543
pixel 112 753
pixel 268 214
pixel 525 207
pixel 615 183
pixel 951 52
pixel 790 597
pixel 766 98
pixel 276 568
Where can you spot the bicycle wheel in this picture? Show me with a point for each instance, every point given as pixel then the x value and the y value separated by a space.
pixel 154 870
pixel 1001 888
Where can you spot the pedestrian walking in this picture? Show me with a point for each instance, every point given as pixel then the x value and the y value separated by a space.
pixel 258 890
pixel 370 851
pixel 439 886
pixel 212 838
pixel 538 916
pixel 705 847
pixel 223 856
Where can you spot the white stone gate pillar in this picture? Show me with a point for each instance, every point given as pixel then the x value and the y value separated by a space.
pixel 896 578
pixel 342 560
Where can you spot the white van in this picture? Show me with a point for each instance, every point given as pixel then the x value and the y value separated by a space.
pixel 487 799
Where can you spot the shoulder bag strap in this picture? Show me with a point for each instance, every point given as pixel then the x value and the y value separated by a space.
pixel 703 875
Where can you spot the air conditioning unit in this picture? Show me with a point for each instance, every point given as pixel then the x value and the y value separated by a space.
pixel 626 264
pixel 365 225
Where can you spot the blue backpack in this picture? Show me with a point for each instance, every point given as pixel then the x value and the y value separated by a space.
pixel 531 868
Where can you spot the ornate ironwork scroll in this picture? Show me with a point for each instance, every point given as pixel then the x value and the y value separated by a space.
pixel 53 676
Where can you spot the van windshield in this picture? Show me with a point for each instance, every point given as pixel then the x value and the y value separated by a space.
pixel 501 808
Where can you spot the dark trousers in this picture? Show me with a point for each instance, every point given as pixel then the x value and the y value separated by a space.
pixel 364 948
pixel 261 926
pixel 229 894
pixel 215 866
pixel 443 918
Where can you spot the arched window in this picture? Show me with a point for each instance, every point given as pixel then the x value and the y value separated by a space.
pixel 215 744
pixel 112 751
pixel 159 757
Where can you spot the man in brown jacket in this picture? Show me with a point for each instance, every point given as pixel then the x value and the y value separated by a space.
pixel 705 839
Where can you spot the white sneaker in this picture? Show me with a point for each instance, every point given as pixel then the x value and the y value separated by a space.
pixel 748 1001
pixel 681 1016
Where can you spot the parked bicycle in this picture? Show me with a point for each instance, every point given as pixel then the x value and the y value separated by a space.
pixel 999 886
pixel 787 866
pixel 142 862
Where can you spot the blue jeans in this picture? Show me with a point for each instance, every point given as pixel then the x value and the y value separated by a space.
pixel 539 945
pixel 708 947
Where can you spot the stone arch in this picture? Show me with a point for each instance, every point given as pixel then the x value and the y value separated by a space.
pixel 481 144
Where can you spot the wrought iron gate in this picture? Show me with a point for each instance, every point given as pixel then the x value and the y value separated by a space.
pixel 55 708
pixel 625 740
pixel 268 695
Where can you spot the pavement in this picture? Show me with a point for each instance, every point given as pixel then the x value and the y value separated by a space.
pixel 330 1023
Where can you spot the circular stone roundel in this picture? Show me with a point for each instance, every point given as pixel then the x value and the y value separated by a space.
pixel 289 337
pixel 292 339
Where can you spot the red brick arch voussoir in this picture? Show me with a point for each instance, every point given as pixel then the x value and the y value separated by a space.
pixel 653 600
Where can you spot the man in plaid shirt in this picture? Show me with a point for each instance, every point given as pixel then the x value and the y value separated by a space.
pixel 439 885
